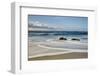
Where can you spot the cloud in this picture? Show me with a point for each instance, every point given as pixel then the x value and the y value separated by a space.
pixel 39 26
pixel 36 25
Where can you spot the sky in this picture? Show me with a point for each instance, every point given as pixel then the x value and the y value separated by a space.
pixel 59 23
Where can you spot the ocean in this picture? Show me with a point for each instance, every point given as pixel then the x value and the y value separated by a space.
pixel 47 35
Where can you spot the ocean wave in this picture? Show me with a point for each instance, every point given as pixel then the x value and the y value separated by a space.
pixel 46 33
pixel 65 45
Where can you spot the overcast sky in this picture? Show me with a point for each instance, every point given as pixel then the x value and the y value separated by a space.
pixel 63 23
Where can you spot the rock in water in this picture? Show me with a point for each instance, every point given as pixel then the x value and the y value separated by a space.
pixel 62 38
pixel 75 39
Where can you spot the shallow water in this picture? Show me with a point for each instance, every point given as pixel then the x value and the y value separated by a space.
pixel 74 46
pixel 48 38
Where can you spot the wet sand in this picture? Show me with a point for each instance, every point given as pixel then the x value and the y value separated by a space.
pixel 73 55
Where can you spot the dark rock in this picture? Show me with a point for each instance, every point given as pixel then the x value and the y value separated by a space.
pixel 75 39
pixel 62 38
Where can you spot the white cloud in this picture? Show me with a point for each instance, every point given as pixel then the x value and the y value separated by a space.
pixel 36 25
pixel 43 26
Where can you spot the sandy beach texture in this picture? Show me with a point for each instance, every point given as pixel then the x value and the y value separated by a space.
pixel 39 51
pixel 74 55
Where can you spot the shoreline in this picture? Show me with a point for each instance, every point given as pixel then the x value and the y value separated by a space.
pixel 49 54
pixel 54 48
pixel 46 51
pixel 72 55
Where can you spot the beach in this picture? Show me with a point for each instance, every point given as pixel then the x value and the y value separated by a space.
pixel 51 50
pixel 57 37
pixel 74 55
